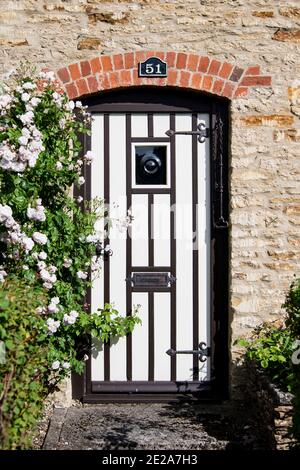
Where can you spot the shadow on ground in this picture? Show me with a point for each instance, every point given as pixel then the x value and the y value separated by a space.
pixel 232 425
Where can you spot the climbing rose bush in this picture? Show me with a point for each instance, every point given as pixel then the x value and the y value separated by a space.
pixel 46 238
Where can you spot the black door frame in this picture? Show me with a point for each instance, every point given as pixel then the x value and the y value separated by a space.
pixel 172 100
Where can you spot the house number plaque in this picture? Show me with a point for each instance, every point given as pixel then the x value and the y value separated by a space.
pixel 153 67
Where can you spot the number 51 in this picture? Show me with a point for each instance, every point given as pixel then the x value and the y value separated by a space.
pixel 150 69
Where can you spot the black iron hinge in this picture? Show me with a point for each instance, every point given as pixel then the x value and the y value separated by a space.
pixel 202 352
pixel 202 132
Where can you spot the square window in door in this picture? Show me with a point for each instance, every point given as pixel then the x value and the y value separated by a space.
pixel 151 164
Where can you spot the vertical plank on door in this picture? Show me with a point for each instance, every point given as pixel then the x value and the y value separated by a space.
pixel 161 230
pixel 139 230
pixel 161 124
pixel 203 233
pixel 139 125
pixel 140 338
pixel 162 320
pixel 97 190
pixel 117 182
pixel 184 247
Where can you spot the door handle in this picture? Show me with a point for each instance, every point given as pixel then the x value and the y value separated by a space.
pixel 203 352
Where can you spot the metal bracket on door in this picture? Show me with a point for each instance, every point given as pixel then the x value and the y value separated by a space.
pixel 151 279
pixel 101 250
pixel 202 132
pixel 203 352
pixel 217 150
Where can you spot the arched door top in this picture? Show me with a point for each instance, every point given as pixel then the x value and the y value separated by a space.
pixel 185 70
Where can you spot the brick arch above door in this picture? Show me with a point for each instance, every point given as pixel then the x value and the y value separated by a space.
pixel 192 71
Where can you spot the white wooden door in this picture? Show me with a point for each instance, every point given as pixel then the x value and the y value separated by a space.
pixel 162 263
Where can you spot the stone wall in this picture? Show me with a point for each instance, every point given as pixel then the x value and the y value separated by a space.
pixel 273 408
pixel 265 126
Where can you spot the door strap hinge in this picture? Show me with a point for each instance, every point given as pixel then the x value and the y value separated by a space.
pixel 203 352
pixel 202 132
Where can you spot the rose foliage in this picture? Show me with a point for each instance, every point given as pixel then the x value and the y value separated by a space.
pixel 48 255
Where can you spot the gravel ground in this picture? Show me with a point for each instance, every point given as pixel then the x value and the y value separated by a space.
pixel 154 427
pixel 42 426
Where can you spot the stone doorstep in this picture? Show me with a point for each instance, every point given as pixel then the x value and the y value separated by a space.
pixel 55 427
pixel 101 422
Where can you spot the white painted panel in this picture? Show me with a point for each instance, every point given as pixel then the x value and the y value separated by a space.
pixel 161 124
pixel 203 237
pixel 139 125
pixel 161 229
pixel 139 229
pixel 97 190
pixel 118 208
pixel 184 247
pixel 140 338
pixel 162 322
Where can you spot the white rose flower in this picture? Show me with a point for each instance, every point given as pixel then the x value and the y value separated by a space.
pixel 3 274
pixel 23 140
pixel 74 314
pixel 35 101
pixel 27 118
pixel 25 97
pixel 66 365
pixel 41 266
pixel 26 132
pixel 29 86
pixel 5 212
pixel 52 308
pixel 9 222
pixel 5 101
pixel 31 213
pixel 37 213
pixel 70 319
pixel 81 180
pixel 27 243
pixel 42 255
pixel 82 275
pixel 79 199
pixel 40 238
pixel 55 365
pixel 48 285
pixel 95 264
pixel 67 262
pixel 92 238
pixel 14 237
pixel 85 357
pixel 70 105
pixel 40 310
pixel 52 325
pixel 55 300
pixel 47 75
pixel 78 104
pixel 89 156
pixel 58 166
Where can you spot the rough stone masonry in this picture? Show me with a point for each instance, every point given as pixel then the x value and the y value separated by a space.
pixel 265 125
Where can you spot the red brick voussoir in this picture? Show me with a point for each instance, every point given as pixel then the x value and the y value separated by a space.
pixel 185 70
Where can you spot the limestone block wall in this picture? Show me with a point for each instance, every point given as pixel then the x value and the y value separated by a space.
pixel 265 124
